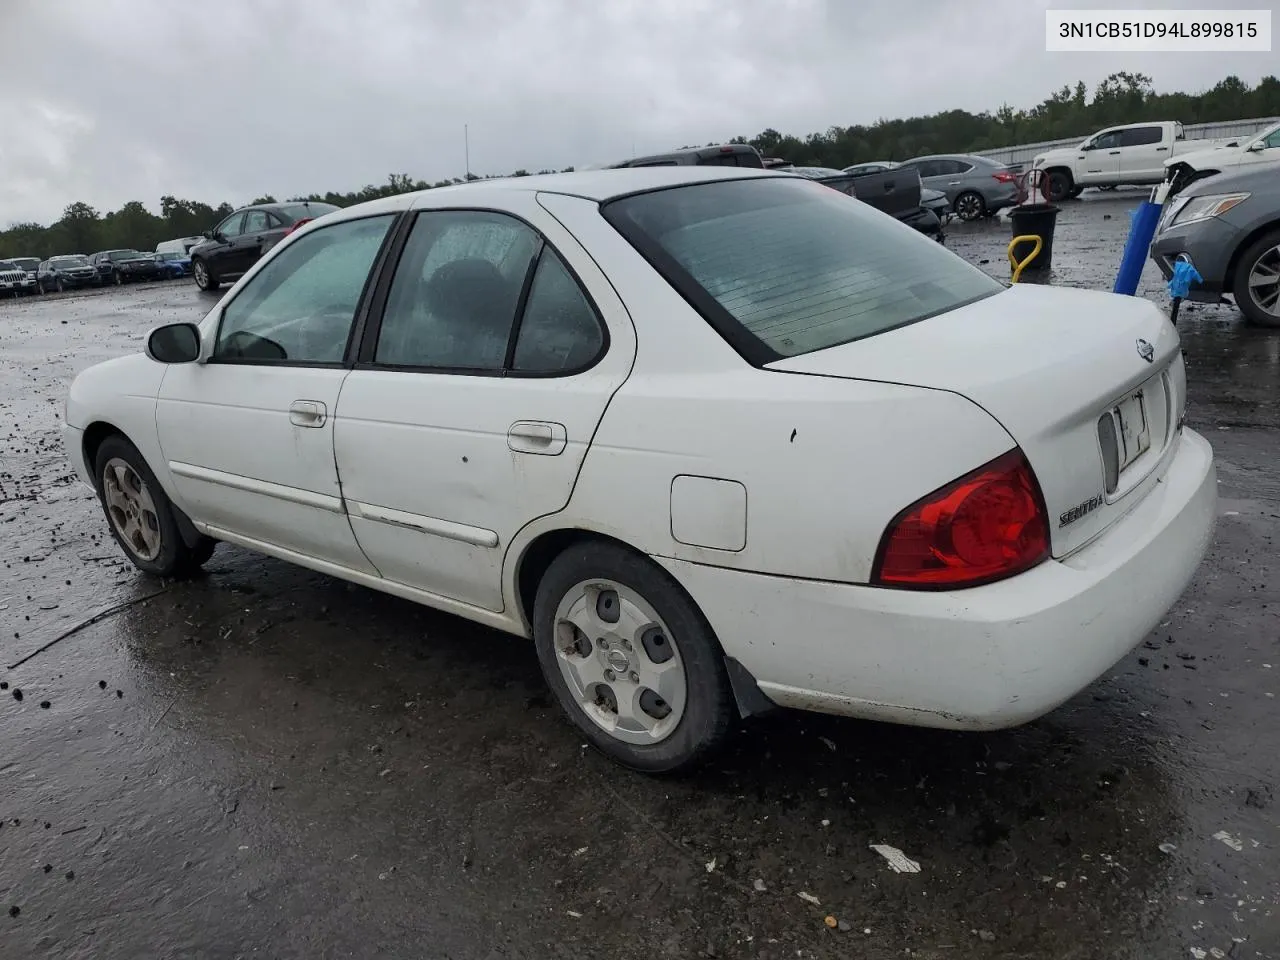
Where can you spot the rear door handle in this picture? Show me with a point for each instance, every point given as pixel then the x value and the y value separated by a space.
pixel 308 413
pixel 1115 153
pixel 538 437
pixel 953 183
pixel 1161 149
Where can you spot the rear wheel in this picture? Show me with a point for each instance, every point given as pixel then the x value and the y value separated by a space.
pixel 1257 281
pixel 206 279
pixel 1060 185
pixel 970 205
pixel 631 659
pixel 140 515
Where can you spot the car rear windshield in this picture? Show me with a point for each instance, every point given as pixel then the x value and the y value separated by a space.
pixel 784 266
pixel 304 211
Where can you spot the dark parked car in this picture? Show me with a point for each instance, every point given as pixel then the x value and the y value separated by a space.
pixel 977 187
pixel 235 245
pixel 1228 226
pixel 66 272
pixel 124 266
pixel 173 264
pixel 726 155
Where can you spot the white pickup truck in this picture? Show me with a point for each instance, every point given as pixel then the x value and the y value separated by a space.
pixel 1260 147
pixel 1135 153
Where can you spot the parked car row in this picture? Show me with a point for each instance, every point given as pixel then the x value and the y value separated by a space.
pixel 973 186
pixel 74 271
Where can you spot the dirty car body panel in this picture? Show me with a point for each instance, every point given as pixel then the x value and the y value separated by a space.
pixel 888 496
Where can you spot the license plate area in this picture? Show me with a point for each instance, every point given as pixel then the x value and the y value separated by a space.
pixel 1133 430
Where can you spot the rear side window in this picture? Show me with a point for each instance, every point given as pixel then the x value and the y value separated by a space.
pixel 782 266
pixel 1140 136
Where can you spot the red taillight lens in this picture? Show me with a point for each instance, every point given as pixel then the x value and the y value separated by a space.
pixel 987 525
pixel 1005 177
pixel 303 221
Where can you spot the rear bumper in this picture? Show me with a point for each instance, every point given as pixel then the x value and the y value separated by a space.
pixel 990 657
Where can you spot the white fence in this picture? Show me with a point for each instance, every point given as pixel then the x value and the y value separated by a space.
pixel 1021 154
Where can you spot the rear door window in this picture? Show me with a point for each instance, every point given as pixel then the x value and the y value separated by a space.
pixel 1140 136
pixel 783 266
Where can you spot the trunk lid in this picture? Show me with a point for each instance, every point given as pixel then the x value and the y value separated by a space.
pixel 1049 364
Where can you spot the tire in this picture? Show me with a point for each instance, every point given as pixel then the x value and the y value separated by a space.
pixel 118 279
pixel 652 618
pixel 61 285
pixel 140 516
pixel 1259 301
pixel 206 279
pixel 1060 185
pixel 970 206
pixel 1075 192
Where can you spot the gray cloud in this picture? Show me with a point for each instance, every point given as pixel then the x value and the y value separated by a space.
pixel 118 100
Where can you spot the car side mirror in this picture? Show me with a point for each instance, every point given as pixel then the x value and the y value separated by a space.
pixel 174 343
pixel 1257 146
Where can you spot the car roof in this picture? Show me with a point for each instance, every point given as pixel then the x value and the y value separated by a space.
pixel 970 157
pixel 597 185
pixel 280 206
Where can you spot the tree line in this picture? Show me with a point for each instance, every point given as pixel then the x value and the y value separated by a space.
pixel 1072 111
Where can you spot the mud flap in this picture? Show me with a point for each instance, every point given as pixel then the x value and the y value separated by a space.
pixel 746 692
pixel 186 529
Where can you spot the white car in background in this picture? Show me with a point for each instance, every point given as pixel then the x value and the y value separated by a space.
pixel 714 439
pixel 1262 147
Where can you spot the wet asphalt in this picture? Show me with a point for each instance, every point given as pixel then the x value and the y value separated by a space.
pixel 266 762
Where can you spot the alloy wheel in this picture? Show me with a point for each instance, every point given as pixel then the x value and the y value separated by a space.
pixel 1264 281
pixel 620 662
pixel 131 508
pixel 969 206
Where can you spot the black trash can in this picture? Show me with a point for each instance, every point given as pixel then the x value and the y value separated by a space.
pixel 1037 220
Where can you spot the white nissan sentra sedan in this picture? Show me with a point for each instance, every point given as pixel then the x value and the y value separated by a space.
pixel 715 439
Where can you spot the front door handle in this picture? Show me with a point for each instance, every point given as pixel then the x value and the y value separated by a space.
pixel 308 413
pixel 537 436
pixel 1114 153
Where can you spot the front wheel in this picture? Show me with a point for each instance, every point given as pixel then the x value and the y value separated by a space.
pixel 61 285
pixel 1256 285
pixel 970 206
pixel 1060 186
pixel 205 278
pixel 140 514
pixel 631 659
pixel 118 279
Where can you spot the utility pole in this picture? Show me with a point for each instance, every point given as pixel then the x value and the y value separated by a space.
pixel 466 146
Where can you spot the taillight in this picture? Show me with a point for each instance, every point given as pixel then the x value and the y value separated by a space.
pixel 303 221
pixel 988 525
pixel 1005 177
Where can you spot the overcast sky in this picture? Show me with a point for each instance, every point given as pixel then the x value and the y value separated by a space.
pixel 114 100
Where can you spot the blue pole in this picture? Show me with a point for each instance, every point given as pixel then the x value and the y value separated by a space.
pixel 1142 227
